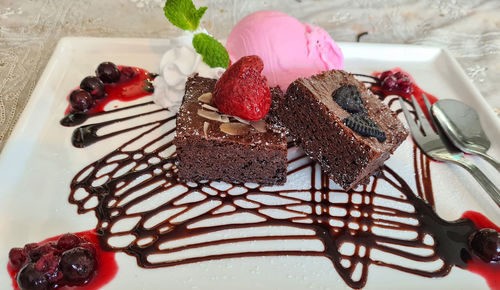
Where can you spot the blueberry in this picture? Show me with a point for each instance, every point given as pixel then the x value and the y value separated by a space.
pixel 80 100
pixel 108 72
pixel 485 243
pixel 77 265
pixel 29 278
pixel 68 241
pixel 17 257
pixel 94 86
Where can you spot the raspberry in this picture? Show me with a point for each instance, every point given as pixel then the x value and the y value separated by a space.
pixel 242 91
pixel 17 257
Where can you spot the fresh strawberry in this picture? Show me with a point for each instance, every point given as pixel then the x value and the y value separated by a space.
pixel 242 91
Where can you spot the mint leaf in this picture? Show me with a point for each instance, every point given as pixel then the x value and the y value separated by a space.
pixel 213 52
pixel 183 14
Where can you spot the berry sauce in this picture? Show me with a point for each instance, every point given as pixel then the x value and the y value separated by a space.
pixel 415 90
pixel 489 271
pixel 106 263
pixel 134 84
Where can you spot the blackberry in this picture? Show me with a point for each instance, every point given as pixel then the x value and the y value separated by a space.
pixel 349 99
pixel 365 126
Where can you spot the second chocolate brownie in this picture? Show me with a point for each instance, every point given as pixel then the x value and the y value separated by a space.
pixel 315 121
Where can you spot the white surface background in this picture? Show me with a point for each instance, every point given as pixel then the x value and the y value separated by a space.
pixel 29 31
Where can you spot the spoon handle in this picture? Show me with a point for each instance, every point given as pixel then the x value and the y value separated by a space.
pixel 490 159
pixel 482 179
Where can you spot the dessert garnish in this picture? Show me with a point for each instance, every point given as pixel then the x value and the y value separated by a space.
pixel 242 91
pixel 183 14
pixel 397 83
pixel 68 261
pixel 92 87
pixel 194 52
pixel 112 82
pixel 349 99
pixel 400 83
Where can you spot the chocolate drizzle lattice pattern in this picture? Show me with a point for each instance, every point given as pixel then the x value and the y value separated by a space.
pixel 143 210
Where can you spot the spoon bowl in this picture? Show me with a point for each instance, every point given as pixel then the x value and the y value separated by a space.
pixel 462 126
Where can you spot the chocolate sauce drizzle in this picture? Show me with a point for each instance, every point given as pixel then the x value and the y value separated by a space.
pixel 144 211
pixel 78 118
pixel 84 136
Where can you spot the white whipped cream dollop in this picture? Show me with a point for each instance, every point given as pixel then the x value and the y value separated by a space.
pixel 177 64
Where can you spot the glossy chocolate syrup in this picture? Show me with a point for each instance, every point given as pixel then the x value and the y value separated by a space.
pixel 84 136
pixel 143 169
pixel 78 118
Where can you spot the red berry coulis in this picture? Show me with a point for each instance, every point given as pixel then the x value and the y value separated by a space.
pixel 410 87
pixel 105 269
pixel 131 86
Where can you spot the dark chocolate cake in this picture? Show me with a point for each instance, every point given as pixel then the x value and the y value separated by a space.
pixel 323 128
pixel 212 146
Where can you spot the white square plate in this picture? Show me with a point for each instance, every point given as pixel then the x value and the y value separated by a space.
pixel 39 162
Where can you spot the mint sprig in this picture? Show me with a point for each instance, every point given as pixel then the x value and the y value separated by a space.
pixel 183 14
pixel 213 52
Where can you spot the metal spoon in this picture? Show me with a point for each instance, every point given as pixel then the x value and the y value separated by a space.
pixel 461 125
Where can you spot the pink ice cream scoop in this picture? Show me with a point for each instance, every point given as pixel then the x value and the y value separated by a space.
pixel 290 49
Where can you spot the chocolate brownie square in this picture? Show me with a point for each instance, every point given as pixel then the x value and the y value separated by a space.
pixel 213 146
pixel 315 121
